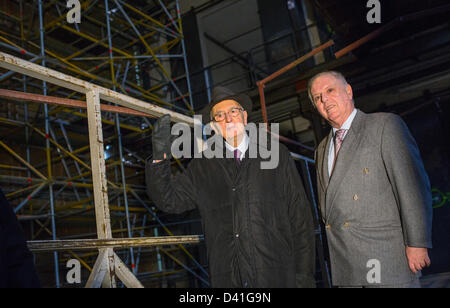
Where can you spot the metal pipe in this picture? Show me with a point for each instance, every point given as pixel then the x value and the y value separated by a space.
pixel 65 166
pixel 47 143
pixel 165 73
pixel 170 16
pixel 297 62
pixel 77 166
pixel 71 103
pixel 24 202
pixel 17 156
pixel 119 139
pixel 27 129
pixel 128 58
pixel 27 68
pixel 142 233
pixel 324 267
pixel 261 85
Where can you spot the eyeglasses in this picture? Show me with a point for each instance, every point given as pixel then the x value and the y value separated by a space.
pixel 220 116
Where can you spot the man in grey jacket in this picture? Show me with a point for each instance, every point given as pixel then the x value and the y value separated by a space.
pixel 374 193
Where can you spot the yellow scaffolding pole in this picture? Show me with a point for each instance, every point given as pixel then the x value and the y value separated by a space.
pixel 23 161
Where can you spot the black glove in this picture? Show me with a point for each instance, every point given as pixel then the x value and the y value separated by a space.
pixel 161 138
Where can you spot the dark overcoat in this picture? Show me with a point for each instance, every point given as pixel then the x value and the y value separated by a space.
pixel 257 222
pixel 16 262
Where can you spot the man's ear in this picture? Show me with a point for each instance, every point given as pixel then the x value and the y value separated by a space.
pixel 349 91
pixel 245 117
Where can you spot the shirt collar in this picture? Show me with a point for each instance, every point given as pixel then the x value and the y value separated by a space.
pixel 348 123
pixel 242 147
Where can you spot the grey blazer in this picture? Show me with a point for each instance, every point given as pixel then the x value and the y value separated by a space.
pixel 377 201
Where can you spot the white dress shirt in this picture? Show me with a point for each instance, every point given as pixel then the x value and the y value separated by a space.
pixel 243 146
pixel 347 124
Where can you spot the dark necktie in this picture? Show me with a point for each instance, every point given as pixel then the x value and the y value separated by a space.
pixel 237 155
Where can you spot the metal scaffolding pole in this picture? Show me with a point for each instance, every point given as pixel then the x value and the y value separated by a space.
pixel 107 258
pixel 47 145
pixel 119 137
pixel 66 166
pixel 150 50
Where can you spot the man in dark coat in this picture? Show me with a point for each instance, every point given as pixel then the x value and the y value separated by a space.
pixel 16 262
pixel 257 222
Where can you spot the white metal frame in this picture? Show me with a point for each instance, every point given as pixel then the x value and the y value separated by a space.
pixel 108 266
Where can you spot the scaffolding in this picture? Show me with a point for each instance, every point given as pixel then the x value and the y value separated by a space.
pixel 106 62
pixel 105 56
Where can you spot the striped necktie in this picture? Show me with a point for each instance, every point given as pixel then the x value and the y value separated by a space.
pixel 338 139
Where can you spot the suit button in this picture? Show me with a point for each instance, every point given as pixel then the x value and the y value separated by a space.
pixel 234 189
pixel 328 227
pixel 366 171
pixel 346 225
pixel 237 235
pixel 355 197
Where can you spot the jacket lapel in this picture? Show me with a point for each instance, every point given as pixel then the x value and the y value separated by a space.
pixel 342 165
pixel 322 171
pixel 325 173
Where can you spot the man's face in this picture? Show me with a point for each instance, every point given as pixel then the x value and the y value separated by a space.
pixel 333 99
pixel 230 127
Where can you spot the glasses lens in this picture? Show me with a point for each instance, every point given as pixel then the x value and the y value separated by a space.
pixel 219 117
pixel 235 112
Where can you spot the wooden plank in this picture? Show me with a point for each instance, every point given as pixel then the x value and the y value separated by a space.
pixel 120 243
pixel 98 273
pixel 102 214
pixel 125 275
pixel 110 278
pixel 98 165
pixel 19 65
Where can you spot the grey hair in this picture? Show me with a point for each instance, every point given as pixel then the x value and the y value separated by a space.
pixel 335 74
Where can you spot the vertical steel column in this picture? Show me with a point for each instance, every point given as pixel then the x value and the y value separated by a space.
pixel 158 254
pixel 142 233
pixel 27 128
pixel 119 136
pixel 47 144
pixel 27 141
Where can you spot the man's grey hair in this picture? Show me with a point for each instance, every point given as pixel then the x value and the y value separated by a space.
pixel 335 74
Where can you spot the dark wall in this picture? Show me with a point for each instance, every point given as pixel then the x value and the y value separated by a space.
pixel 195 61
pixel 430 128
pixel 276 27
